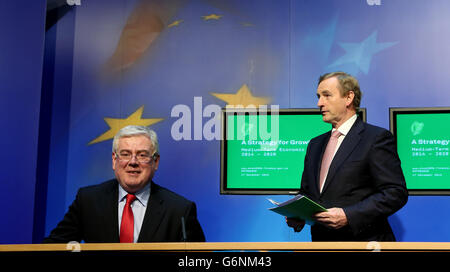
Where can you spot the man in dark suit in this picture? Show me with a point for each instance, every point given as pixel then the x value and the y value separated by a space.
pixel 354 170
pixel 131 207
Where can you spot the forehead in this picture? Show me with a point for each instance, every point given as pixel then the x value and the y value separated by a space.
pixel 329 84
pixel 135 142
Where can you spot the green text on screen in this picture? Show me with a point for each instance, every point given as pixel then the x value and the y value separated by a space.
pixel 423 142
pixel 255 162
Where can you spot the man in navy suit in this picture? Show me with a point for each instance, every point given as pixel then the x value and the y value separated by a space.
pixel 104 214
pixel 355 173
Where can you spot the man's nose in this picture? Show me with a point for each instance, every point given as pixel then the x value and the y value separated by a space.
pixel 320 102
pixel 133 160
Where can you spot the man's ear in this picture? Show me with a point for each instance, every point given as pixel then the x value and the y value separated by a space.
pixel 157 163
pixel 114 158
pixel 350 97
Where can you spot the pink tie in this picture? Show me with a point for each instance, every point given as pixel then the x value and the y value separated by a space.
pixel 328 157
pixel 127 224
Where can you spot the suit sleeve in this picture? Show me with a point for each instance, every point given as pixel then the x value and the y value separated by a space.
pixel 194 232
pixel 390 193
pixel 69 229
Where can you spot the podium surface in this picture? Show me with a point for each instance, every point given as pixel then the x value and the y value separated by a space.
pixel 236 246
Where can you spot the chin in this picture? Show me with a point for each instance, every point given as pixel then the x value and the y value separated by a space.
pixel 326 120
pixel 133 188
pixel 132 184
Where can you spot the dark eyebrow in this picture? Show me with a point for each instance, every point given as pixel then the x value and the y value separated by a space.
pixel 323 92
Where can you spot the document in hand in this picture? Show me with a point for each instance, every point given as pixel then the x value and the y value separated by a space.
pixel 298 207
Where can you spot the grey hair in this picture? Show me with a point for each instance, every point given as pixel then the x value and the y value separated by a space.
pixel 136 130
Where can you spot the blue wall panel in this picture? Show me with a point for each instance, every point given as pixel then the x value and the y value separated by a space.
pixel 21 54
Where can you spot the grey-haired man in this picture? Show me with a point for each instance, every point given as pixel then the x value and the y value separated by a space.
pixel 131 207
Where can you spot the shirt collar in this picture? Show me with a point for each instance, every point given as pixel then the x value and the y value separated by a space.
pixel 347 125
pixel 142 196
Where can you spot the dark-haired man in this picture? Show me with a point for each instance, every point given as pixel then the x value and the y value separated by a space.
pixel 353 170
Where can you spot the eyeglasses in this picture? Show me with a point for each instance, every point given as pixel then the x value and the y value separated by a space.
pixel 141 157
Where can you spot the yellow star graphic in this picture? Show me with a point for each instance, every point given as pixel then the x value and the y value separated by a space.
pixel 243 98
pixel 116 124
pixel 212 17
pixel 175 23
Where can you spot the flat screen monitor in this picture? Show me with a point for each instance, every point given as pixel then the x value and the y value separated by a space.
pixel 263 152
pixel 423 143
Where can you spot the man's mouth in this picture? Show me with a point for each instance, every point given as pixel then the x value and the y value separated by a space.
pixel 134 172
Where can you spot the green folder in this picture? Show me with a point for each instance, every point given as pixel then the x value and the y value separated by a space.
pixel 298 207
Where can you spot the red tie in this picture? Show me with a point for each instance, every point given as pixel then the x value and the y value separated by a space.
pixel 328 157
pixel 127 224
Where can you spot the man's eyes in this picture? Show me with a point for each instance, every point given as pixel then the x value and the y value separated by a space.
pixel 324 95
pixel 139 155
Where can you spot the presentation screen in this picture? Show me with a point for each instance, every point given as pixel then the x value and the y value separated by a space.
pixel 263 152
pixel 423 140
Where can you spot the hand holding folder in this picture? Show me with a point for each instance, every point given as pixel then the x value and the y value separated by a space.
pixel 299 207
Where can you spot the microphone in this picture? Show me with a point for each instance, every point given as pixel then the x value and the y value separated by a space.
pixel 183 229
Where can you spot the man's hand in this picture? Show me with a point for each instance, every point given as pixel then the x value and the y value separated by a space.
pixel 295 223
pixel 334 218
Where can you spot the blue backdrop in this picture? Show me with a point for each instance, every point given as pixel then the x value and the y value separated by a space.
pixel 22 28
pixel 114 62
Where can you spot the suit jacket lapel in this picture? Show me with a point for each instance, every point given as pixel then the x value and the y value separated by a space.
pixel 347 146
pixel 153 215
pixel 110 215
